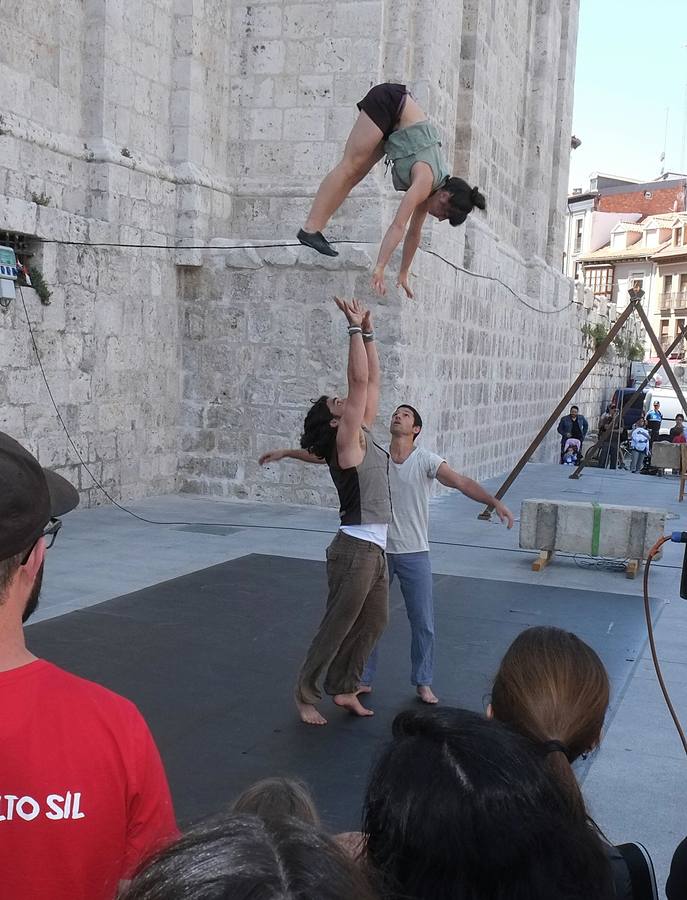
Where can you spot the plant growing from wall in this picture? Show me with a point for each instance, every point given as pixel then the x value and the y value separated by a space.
pixel 594 335
pixel 39 285
pixel 628 346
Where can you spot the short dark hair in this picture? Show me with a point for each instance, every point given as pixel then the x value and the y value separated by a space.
pixel 574 407
pixel 8 569
pixel 319 438
pixel 459 806
pixel 417 418
pixel 679 416
pixel 463 199
pixel 246 857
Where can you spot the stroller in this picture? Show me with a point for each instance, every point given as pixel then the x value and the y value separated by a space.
pixel 571 452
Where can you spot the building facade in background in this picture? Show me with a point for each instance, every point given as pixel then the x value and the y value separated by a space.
pixel 139 142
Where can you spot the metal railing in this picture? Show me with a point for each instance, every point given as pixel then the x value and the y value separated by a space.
pixel 673 299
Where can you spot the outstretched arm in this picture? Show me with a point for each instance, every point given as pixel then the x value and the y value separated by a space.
pixel 410 245
pixel 289 453
pixel 348 446
pixel 417 193
pixel 448 477
pixel 374 376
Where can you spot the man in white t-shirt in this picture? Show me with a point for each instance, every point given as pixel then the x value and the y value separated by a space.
pixel 412 470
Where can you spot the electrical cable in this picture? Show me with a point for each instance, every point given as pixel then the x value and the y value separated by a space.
pixel 458 268
pixel 652 643
pixel 140 246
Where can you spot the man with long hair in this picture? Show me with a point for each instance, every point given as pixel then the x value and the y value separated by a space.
pixel 336 430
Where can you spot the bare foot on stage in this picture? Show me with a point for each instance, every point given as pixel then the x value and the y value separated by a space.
pixel 309 714
pixel 424 692
pixel 364 689
pixel 352 704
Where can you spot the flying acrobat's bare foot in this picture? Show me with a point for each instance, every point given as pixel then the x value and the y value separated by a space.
pixel 364 689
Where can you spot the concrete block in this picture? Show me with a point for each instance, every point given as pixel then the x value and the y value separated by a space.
pixel 624 532
pixel 665 455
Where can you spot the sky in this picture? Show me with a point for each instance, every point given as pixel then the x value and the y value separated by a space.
pixel 631 67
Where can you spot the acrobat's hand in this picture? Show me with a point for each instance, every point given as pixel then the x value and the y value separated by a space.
pixel 367 322
pixel 403 283
pixel 378 284
pixel 271 456
pixel 504 514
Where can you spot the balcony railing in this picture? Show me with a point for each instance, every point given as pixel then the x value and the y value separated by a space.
pixel 673 299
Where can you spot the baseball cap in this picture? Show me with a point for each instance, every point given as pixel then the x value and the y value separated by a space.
pixel 29 497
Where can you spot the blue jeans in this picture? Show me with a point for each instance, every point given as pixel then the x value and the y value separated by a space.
pixel 415 576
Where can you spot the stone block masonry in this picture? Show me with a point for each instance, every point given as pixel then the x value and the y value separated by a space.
pixel 183 123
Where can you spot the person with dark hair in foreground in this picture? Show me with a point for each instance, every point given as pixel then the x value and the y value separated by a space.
pixel 553 688
pixel 84 795
pixel 412 470
pixel 392 124
pixel 250 858
pixel 336 429
pixel 272 797
pixel 460 808
pixel 676 886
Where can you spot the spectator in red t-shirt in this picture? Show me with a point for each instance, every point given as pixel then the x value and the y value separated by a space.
pixel 84 796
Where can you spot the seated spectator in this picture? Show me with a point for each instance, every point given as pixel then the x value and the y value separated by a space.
pixel 554 689
pixel 278 797
pixel 461 808
pixel 250 858
pixel 677 432
pixel 85 798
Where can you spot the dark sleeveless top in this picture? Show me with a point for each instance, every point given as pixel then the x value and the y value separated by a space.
pixel 364 493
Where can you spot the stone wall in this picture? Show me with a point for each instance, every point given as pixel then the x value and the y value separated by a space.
pixel 188 123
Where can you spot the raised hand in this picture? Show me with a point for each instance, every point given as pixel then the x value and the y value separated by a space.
pixel 367 322
pixel 352 309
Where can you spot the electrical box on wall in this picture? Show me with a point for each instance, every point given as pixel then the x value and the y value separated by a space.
pixel 8 273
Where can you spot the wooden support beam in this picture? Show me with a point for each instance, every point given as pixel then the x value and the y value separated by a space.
pixel 570 393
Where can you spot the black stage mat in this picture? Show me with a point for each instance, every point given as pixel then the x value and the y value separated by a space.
pixel 210 659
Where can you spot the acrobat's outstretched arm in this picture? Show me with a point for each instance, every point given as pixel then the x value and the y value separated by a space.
pixel 417 194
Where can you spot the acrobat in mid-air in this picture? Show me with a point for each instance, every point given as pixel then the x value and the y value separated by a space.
pixel 392 124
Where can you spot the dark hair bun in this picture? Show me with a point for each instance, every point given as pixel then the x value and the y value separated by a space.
pixel 477 198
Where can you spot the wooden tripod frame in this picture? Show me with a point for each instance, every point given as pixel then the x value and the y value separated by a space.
pixel 633 306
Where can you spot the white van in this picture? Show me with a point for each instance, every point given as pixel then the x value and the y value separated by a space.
pixel 670 405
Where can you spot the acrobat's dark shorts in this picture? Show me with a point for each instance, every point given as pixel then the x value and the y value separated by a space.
pixel 383 104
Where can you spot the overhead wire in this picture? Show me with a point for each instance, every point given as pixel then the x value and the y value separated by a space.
pixel 266 246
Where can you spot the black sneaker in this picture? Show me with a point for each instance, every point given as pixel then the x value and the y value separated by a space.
pixel 317 241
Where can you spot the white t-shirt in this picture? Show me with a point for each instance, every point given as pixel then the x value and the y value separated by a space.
pixel 375 533
pixel 411 484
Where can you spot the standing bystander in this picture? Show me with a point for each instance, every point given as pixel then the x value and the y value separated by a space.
pixel 572 426
pixel 639 442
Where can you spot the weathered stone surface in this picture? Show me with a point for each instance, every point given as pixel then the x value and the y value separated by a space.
pixel 193 125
